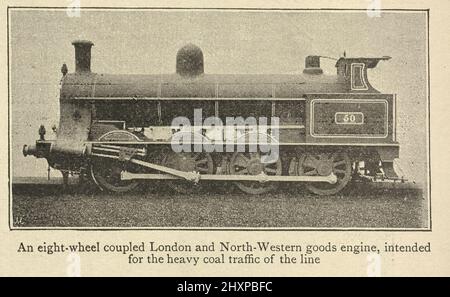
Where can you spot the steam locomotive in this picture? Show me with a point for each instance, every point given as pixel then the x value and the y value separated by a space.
pixel 317 129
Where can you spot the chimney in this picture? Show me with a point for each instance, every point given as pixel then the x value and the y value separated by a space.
pixel 312 65
pixel 82 55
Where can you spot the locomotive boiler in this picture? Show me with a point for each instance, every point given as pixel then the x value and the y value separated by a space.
pixel 307 128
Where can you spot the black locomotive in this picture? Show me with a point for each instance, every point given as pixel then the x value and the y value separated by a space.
pixel 319 129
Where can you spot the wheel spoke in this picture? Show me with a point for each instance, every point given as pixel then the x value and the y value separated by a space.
pixel 244 157
pixel 114 178
pixel 271 170
pixel 310 162
pixel 316 158
pixel 241 160
pixel 202 169
pixel 323 157
pixel 241 171
pixel 310 173
pixel 255 155
pixel 339 163
pixel 202 161
pixel 334 157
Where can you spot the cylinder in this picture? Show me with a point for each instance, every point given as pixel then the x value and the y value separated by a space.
pixel 82 55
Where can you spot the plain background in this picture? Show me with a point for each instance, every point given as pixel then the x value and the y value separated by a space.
pixel 232 42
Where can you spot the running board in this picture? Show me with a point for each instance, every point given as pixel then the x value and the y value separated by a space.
pixel 331 179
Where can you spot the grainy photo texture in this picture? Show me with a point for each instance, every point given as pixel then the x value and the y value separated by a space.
pixel 219 119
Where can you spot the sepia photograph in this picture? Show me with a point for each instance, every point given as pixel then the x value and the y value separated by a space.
pixel 219 119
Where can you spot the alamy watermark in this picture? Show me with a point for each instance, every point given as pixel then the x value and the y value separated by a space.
pixel 73 10
pixel 236 135
pixel 374 8
pixel 73 265
pixel 373 265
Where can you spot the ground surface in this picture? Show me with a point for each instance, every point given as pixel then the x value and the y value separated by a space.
pixel 360 206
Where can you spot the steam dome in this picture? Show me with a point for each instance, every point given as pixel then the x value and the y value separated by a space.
pixel 190 60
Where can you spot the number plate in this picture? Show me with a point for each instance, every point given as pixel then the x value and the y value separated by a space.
pixel 349 118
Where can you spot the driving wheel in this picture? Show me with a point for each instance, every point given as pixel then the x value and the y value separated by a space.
pixel 188 162
pixel 106 172
pixel 323 164
pixel 247 163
